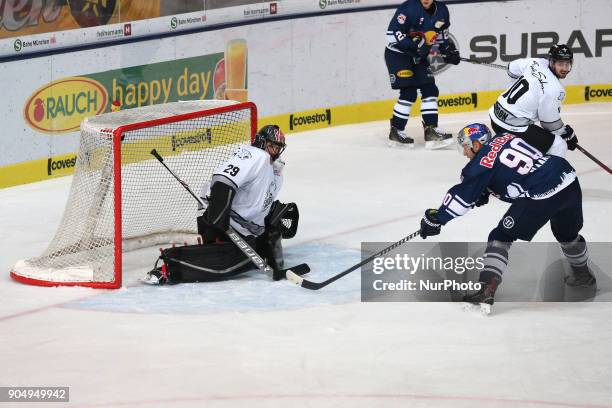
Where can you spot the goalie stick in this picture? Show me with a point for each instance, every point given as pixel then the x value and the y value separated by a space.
pixel 298 280
pixel 246 249
pixel 471 61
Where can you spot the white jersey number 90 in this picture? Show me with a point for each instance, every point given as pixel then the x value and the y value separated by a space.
pixel 520 156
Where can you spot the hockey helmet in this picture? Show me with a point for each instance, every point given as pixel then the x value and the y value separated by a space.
pixel 561 52
pixel 473 132
pixel 270 134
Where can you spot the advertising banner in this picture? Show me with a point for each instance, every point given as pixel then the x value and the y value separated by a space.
pixel 41 136
pixel 60 106
pixel 23 18
pixel 34 26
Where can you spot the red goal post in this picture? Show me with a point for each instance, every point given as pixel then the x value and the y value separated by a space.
pixel 122 199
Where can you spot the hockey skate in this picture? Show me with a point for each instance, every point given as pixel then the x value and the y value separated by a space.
pixel 581 277
pixel 398 138
pixel 436 139
pixel 483 299
pixel 156 276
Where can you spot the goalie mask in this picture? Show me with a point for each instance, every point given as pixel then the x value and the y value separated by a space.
pixel 271 139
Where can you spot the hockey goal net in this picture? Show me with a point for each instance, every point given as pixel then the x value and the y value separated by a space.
pixel 122 198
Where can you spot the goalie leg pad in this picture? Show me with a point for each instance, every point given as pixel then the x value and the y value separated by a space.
pixel 205 263
pixel 271 249
pixel 281 222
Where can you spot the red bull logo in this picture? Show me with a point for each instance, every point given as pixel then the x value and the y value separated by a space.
pixel 471 130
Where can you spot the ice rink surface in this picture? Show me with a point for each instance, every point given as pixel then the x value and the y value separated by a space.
pixel 253 342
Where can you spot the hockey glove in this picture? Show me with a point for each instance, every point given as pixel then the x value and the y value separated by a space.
pixel 449 52
pixel 570 137
pixel 429 224
pixel 420 42
pixel 483 200
pixel 452 58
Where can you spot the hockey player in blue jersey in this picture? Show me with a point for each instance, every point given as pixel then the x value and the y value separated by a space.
pixel 540 187
pixel 414 29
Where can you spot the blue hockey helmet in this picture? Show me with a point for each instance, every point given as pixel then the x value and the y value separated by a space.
pixel 473 132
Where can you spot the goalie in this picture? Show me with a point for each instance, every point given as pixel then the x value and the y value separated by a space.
pixel 241 194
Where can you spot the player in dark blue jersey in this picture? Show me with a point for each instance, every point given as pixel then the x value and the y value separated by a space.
pixel 540 187
pixel 415 28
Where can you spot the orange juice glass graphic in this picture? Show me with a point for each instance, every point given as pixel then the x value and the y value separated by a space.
pixel 236 70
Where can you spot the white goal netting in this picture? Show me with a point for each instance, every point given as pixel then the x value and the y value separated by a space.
pixel 122 198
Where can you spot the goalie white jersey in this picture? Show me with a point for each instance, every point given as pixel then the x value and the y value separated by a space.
pixel 536 95
pixel 257 181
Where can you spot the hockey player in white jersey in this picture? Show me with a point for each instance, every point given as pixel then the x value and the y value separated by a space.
pixel 242 193
pixel 536 96
pixel 242 190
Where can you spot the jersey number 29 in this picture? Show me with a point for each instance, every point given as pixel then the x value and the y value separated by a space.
pixel 231 170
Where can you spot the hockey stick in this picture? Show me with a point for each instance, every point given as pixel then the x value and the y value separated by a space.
pixel 246 249
pixel 471 61
pixel 590 156
pixel 298 280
